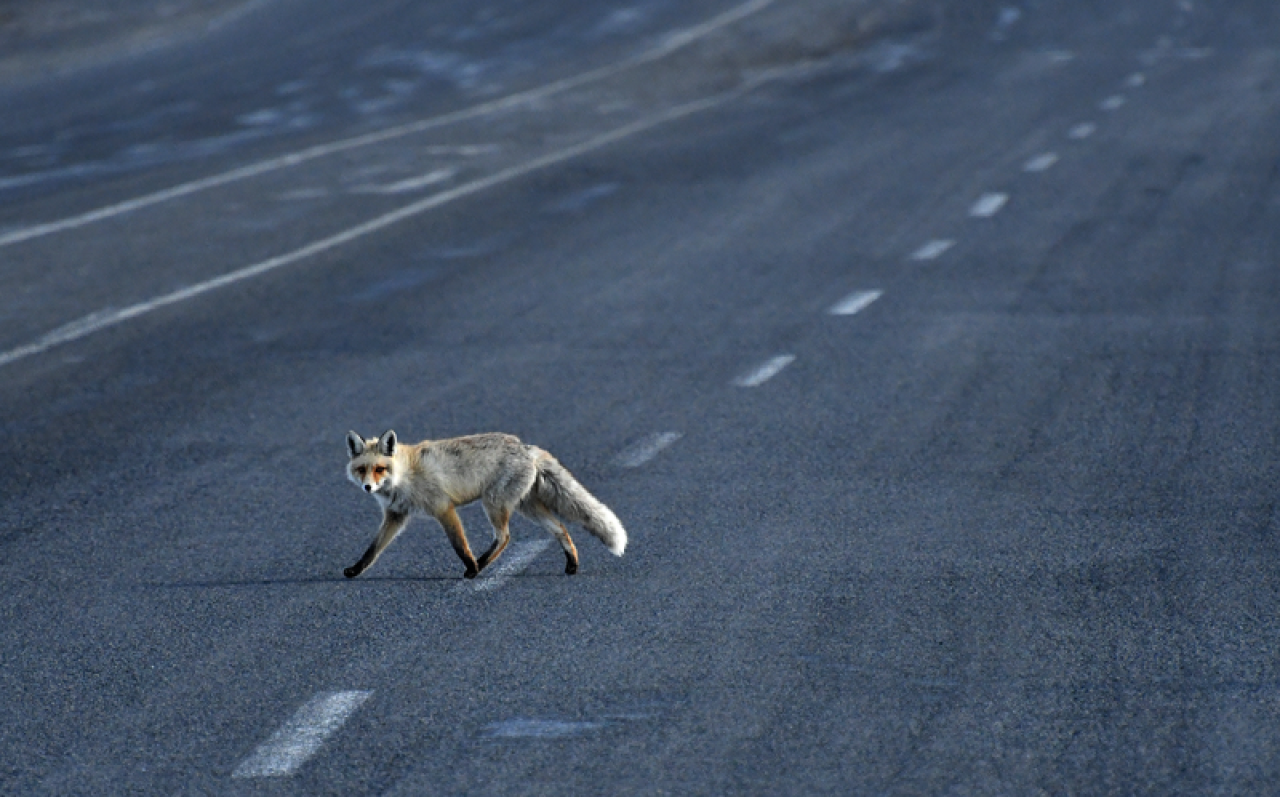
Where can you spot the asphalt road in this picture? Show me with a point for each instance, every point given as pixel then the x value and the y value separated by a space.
pixel 933 373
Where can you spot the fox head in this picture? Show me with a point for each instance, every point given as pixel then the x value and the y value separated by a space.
pixel 373 464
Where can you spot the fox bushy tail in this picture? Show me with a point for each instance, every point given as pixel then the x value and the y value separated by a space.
pixel 556 488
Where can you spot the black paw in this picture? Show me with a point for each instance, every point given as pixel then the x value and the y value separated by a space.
pixel 471 573
pixel 351 572
pixel 570 568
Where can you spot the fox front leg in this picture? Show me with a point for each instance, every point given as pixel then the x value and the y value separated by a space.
pixel 452 526
pixel 392 523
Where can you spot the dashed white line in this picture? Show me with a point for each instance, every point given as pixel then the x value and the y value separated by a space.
pixel 644 450
pixel 517 558
pixel 411 184
pixel 300 737
pixel 1082 130
pixel 1112 103
pixel 98 321
pixel 669 44
pixel 765 371
pixel 933 250
pixel 1136 81
pixel 1041 163
pixel 988 205
pixel 855 302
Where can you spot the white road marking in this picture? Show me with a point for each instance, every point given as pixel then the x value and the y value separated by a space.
pixel 1082 130
pixel 411 184
pixel 765 371
pixel 1136 81
pixel 300 737
pixel 988 205
pixel 515 560
pixel 538 729
pixel 103 319
pixel 646 449
pixel 933 250
pixel 669 44
pixel 1112 103
pixel 855 302
pixel 1041 163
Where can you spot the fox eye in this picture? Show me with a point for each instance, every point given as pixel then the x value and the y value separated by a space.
pixel 381 469
pixel 360 470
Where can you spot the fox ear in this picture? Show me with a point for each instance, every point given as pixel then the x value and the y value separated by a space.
pixel 387 443
pixel 355 443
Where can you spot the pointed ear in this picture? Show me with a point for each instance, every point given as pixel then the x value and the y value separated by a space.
pixel 355 443
pixel 387 443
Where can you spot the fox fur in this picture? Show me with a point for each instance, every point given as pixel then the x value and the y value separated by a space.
pixel 435 477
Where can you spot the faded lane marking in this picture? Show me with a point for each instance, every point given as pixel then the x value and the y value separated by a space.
pixel 988 205
pixel 644 450
pixel 1041 163
pixel 933 250
pixel 300 737
pixel 1082 130
pixel 765 371
pixel 1112 103
pixel 517 557
pixel 855 302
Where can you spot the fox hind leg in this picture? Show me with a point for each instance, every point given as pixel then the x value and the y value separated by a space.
pixel 500 519
pixel 452 526
pixel 537 511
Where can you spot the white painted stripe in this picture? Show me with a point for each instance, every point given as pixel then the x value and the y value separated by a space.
pixel 1112 103
pixel 670 44
pixel 646 449
pixel 411 184
pixel 1136 81
pixel 1041 163
pixel 102 319
pixel 513 562
pixel 933 250
pixel 765 371
pixel 1082 130
pixel 855 302
pixel 988 205
pixel 300 737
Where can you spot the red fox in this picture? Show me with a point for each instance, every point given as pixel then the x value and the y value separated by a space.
pixel 436 476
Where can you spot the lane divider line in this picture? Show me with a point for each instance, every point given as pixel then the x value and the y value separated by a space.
pixel 646 449
pixel 669 44
pixel 1040 163
pixel 933 250
pixel 988 205
pixel 765 371
pixel 1082 131
pixel 855 302
pixel 300 737
pixel 103 319
pixel 1113 103
pixel 516 559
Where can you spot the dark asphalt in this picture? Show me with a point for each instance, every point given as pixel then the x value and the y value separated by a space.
pixel 1011 529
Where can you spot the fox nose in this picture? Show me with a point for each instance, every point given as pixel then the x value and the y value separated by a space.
pixel 368 488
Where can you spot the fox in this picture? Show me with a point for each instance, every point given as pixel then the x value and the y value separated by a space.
pixel 434 477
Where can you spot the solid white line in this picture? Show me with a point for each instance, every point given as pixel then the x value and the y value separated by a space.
pixel 98 321
pixel 411 184
pixel 988 205
pixel 933 250
pixel 669 45
pixel 512 564
pixel 1082 130
pixel 855 302
pixel 646 449
pixel 1041 163
pixel 300 737
pixel 764 372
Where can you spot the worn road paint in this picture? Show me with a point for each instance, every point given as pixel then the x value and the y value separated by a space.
pixel 988 205
pixel 1082 130
pixel 765 371
pixel 1041 163
pixel 512 563
pixel 855 302
pixel 300 737
pixel 933 250
pixel 646 449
